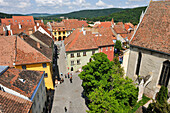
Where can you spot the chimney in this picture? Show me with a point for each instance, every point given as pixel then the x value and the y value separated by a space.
pixel 38 24
pixel 38 45
pixel 35 28
pixel 84 32
pixel 19 26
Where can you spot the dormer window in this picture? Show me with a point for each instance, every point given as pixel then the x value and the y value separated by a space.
pixel 15 20
pixel 30 20
pixel 44 65
pixel 27 20
pixel 22 80
pixel 24 67
pixel 22 20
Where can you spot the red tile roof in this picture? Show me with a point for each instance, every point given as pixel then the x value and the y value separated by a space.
pixel 154 30
pixel 7 50
pixel 23 20
pixel 78 41
pixel 13 104
pixel 104 25
pixel 6 21
pixel 15 50
pixel 11 79
pixel 120 29
pixel 24 28
pixel 105 37
pixel 2 32
pixel 71 24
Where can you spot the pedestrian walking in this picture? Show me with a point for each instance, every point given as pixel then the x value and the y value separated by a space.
pixel 65 76
pixel 68 75
pixel 71 75
pixel 71 80
pixel 65 109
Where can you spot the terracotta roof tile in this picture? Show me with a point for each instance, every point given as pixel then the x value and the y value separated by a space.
pixel 78 41
pixel 24 28
pixel 7 50
pixel 43 37
pixel 154 30
pixel 104 25
pixel 120 29
pixel 23 20
pixel 6 21
pixel 26 54
pixel 10 79
pixel 71 24
pixel 10 103
pixel 44 49
pixel 15 50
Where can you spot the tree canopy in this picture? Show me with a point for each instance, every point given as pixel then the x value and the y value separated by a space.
pixel 105 87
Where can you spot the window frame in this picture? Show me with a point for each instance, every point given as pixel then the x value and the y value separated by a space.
pixel 165 74
pixel 72 55
pixel 93 52
pixel 106 48
pixel 72 63
pixel 46 75
pixel 84 53
pixel 78 54
pixel 24 67
pixel 78 61
pixel 44 65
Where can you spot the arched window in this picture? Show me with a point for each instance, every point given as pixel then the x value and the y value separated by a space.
pixel 165 74
pixel 138 63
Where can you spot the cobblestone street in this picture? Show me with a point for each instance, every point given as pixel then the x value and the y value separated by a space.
pixel 67 94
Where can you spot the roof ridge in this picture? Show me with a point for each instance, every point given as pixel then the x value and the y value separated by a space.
pixel 34 48
pixel 73 41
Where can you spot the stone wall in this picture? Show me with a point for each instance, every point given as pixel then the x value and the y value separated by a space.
pixel 150 62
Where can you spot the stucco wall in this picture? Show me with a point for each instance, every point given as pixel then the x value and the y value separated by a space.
pixel 150 62
pixel 83 59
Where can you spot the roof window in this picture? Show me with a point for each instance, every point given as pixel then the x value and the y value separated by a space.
pixel 22 80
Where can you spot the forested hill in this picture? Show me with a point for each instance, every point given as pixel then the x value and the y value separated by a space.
pixel 128 15
pixel 89 13
pixel 3 15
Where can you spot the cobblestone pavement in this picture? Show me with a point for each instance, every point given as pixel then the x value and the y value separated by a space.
pixel 68 94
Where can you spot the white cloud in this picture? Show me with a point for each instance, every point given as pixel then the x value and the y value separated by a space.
pixel 135 0
pixel 2 3
pixel 23 4
pixel 100 3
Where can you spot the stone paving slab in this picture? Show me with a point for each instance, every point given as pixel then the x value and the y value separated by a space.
pixel 69 95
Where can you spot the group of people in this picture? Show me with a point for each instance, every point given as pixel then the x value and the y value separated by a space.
pixel 69 75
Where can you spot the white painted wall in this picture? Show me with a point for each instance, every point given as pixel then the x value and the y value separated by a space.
pixel 43 31
pixel 83 59
pixel 13 92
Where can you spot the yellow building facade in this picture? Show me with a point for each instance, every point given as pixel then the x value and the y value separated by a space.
pixel 59 34
pixel 41 67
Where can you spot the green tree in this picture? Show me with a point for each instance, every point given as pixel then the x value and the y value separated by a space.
pixel 96 72
pixel 106 88
pixel 118 45
pixel 161 105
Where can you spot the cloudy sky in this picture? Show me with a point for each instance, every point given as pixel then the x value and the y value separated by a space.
pixel 64 6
